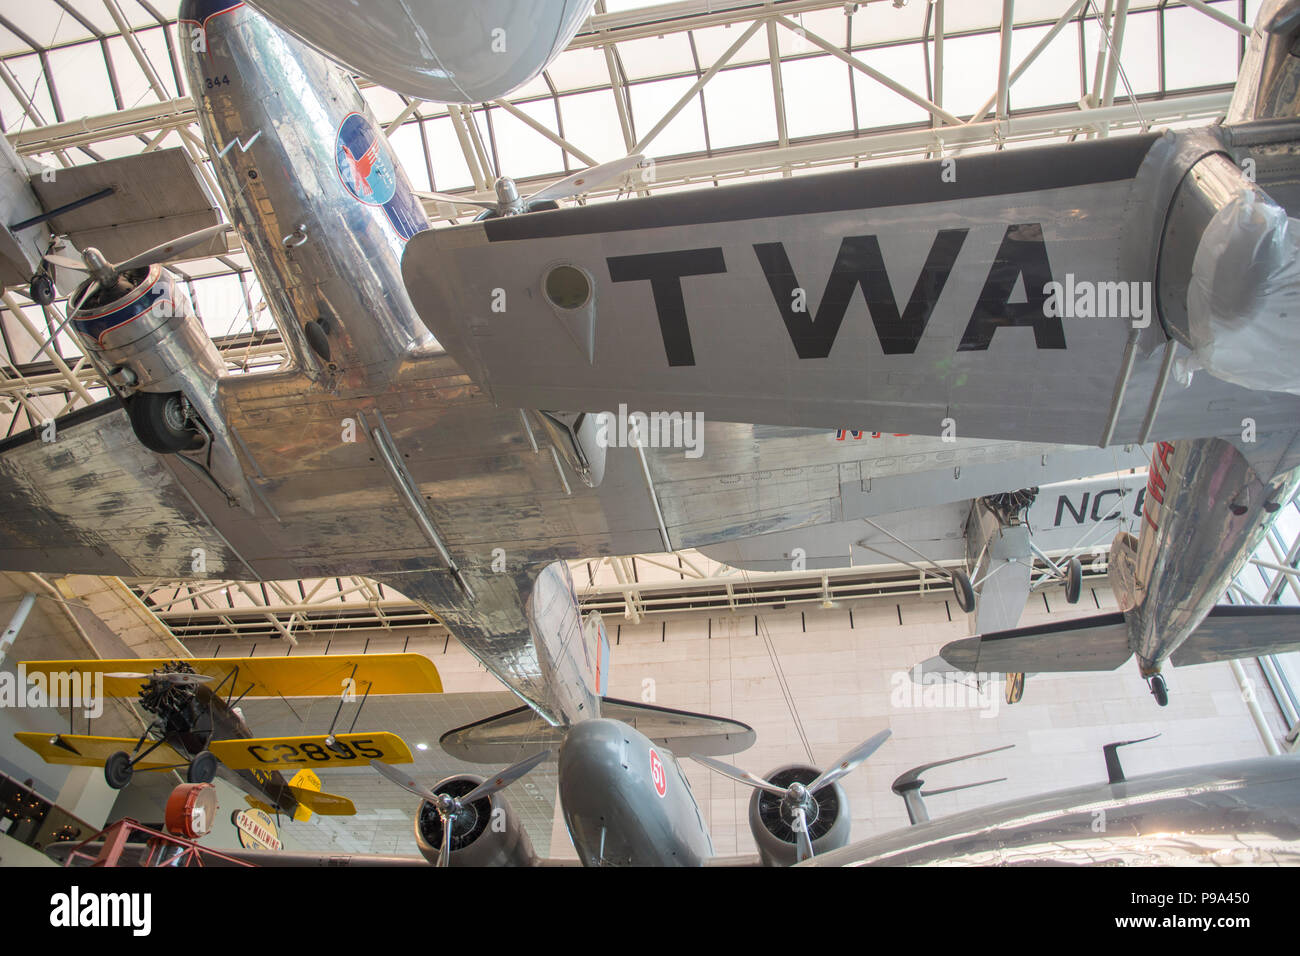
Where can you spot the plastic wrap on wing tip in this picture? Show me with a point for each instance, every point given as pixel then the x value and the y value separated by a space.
pixel 1243 301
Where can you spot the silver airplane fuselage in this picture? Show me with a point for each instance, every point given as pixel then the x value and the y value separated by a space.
pixel 1205 511
pixel 323 209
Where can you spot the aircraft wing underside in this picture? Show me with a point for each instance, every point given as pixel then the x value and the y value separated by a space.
pixel 908 298
pixel 95 501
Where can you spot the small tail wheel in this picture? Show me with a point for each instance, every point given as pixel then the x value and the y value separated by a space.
pixel 1015 687
pixel 1073 580
pixel 118 769
pixel 964 593
pixel 1160 690
pixel 202 768
pixel 41 290
pixel 161 422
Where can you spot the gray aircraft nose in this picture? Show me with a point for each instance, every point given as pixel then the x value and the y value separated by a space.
pixel 610 803
pixel 594 753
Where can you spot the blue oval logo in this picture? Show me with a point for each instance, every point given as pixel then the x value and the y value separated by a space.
pixel 363 167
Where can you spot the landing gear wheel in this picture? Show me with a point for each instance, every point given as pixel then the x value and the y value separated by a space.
pixel 1159 690
pixel 202 768
pixel 1073 580
pixel 964 592
pixel 118 770
pixel 41 291
pixel 160 422
pixel 1015 687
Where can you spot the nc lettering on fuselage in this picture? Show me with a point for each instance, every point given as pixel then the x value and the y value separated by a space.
pixel 860 265
pixel 1082 514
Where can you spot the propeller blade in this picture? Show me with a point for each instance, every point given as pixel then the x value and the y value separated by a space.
pixel 64 262
pixel 460 200
pixel 127 675
pixel 849 761
pixel 504 778
pixel 586 180
pixel 740 776
pixel 406 783
pixel 444 851
pixel 173 249
pixel 182 678
pixel 803 842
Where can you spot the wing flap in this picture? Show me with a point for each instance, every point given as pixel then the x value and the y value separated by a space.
pixel 79 750
pixel 1098 643
pixel 1232 631
pixel 310 752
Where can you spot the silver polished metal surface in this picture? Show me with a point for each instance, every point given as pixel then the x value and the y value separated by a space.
pixel 1269 85
pixel 1241 813
pixel 435 49
pixel 299 156
pixel 1206 511
pixel 297 150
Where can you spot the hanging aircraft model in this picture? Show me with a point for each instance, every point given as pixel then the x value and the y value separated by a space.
pixel 1054 290
pixel 372 452
pixel 192 727
pixel 376 453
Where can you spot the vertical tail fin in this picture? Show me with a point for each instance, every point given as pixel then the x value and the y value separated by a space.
pixel 597 638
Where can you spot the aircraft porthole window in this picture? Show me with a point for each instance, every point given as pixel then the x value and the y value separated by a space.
pixel 567 287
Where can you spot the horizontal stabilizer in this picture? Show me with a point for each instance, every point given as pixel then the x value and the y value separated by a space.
pixel 326 804
pixel 1231 631
pixel 501 738
pixel 297 753
pixel 79 750
pixel 681 731
pixel 1097 643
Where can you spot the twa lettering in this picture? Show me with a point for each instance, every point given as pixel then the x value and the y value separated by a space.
pixel 1021 263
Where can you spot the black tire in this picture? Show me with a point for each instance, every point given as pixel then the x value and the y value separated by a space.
pixel 1160 690
pixel 964 593
pixel 158 420
pixel 1073 580
pixel 202 768
pixel 1015 687
pixel 118 769
pixel 41 291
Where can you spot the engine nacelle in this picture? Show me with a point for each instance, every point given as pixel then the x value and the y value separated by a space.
pixel 144 337
pixel 772 823
pixel 488 833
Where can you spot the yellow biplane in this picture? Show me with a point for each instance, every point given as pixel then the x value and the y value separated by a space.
pixel 197 725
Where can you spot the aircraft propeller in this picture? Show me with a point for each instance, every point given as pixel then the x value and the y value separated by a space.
pixel 106 274
pixel 449 807
pixel 510 203
pixel 164 677
pixel 798 796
